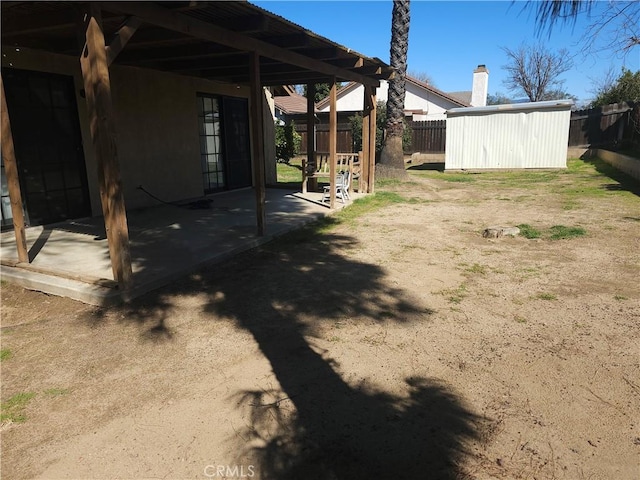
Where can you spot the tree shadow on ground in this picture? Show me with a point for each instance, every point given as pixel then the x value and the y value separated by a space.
pixel 438 166
pixel 316 424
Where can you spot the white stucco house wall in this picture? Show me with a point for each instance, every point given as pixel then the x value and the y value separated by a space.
pixel 422 101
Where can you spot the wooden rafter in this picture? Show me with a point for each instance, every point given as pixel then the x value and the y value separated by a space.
pixel 249 24
pixel 122 37
pixel 43 22
pixel 347 62
pixel 168 19
pixel 133 54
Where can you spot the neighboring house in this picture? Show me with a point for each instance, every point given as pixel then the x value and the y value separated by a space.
pixel 168 96
pixel 289 105
pixel 422 101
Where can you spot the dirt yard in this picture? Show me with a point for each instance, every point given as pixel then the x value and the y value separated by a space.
pixel 399 343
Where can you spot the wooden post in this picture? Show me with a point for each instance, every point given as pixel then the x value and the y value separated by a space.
pixel 363 184
pixel 258 159
pixel 333 141
pixel 372 142
pixel 97 85
pixel 13 180
pixel 311 140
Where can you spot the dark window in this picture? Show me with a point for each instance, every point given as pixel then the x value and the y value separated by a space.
pixel 48 146
pixel 210 143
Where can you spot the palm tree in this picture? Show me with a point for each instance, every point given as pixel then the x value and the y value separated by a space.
pixel 392 155
pixel 619 22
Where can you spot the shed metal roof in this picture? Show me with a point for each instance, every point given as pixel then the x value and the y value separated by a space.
pixel 513 107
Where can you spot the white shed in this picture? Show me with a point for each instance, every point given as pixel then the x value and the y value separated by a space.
pixel 520 135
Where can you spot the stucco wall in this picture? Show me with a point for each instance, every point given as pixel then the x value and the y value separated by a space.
pixel 416 98
pixel 157 129
pixel 156 126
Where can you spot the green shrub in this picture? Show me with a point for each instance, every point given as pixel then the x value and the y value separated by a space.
pixel 288 142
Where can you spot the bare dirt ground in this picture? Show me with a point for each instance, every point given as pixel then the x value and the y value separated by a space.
pixel 397 344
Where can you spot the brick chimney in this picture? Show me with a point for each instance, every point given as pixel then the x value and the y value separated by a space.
pixel 480 86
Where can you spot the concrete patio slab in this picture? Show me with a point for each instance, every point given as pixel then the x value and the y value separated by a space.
pixel 169 241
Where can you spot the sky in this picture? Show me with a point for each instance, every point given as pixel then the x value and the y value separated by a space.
pixel 449 39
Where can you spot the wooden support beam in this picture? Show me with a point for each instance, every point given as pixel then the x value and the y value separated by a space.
pixel 165 18
pixel 373 70
pixel 257 132
pixel 347 62
pixel 363 184
pixel 279 79
pixel 333 141
pixel 13 180
pixel 122 37
pixel 169 53
pixel 97 85
pixel 321 53
pixel 249 23
pixel 372 141
pixel 293 40
pixel 38 22
pixel 310 165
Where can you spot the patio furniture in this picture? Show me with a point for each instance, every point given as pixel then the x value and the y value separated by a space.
pixel 321 169
pixel 343 180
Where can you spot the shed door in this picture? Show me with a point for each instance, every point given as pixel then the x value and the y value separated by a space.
pixel 46 133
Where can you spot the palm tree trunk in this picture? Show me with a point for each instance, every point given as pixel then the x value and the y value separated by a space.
pixel 392 155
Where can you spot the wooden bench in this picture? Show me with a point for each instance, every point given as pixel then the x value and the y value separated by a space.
pixel 344 162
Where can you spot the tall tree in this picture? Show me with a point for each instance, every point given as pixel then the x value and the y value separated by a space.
pixel 613 26
pixel 498 99
pixel 625 89
pixel 322 91
pixel 392 155
pixel 535 70
pixel 423 77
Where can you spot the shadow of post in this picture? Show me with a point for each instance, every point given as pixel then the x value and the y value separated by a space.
pixel 316 425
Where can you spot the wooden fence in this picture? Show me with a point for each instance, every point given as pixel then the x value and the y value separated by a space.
pixel 610 125
pixel 428 136
pixel 597 127
pixel 345 142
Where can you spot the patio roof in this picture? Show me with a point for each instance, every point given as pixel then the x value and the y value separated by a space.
pixel 212 40
pixel 233 42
